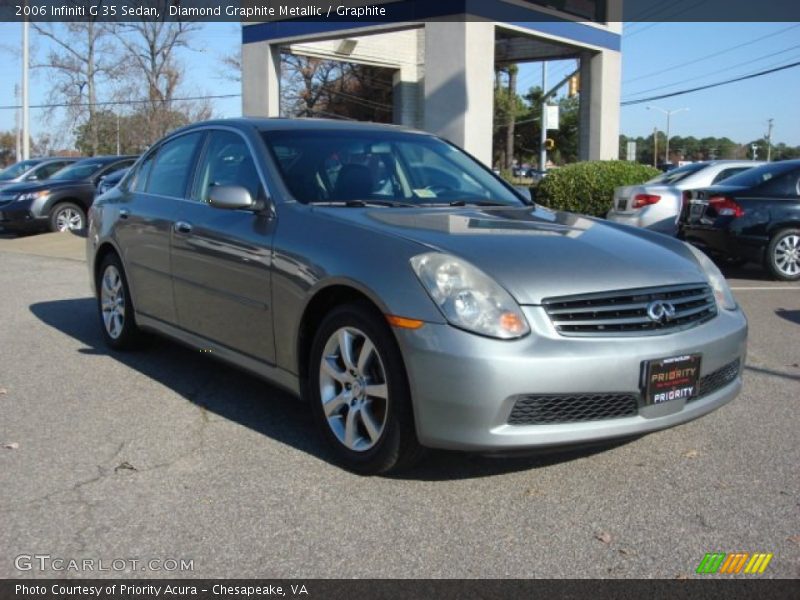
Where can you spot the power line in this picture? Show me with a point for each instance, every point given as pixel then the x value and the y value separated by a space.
pixel 120 102
pixel 714 55
pixel 711 85
pixel 760 58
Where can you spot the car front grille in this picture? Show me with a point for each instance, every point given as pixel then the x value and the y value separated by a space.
pixel 553 409
pixel 717 380
pixel 625 313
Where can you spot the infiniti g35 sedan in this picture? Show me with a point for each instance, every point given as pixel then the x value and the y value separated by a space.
pixel 412 297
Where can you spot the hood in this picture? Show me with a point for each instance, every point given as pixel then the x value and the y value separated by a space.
pixel 537 253
pixel 47 184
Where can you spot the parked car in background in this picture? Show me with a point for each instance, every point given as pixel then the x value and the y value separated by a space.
pixel 411 310
pixel 754 216
pixel 61 202
pixel 34 169
pixel 109 181
pixel 656 204
pixel 536 174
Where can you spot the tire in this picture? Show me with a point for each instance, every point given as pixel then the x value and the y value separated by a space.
pixel 114 306
pixel 783 255
pixel 67 216
pixel 361 402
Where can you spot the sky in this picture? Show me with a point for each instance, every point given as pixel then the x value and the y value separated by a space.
pixel 657 58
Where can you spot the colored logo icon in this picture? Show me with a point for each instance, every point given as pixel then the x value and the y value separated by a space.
pixel 737 562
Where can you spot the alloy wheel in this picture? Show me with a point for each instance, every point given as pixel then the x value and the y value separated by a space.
pixel 112 301
pixel 353 389
pixel 69 219
pixel 787 255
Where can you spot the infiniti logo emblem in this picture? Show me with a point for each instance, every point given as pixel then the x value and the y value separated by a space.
pixel 660 311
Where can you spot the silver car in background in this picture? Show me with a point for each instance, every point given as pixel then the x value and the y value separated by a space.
pixel 413 298
pixel 33 169
pixel 657 204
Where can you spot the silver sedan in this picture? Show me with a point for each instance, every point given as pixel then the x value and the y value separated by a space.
pixel 412 297
pixel 657 203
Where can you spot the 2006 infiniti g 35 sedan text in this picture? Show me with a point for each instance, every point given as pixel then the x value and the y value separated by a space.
pixel 409 294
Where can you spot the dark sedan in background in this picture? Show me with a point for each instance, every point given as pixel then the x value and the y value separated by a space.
pixel 753 216
pixel 34 169
pixel 61 202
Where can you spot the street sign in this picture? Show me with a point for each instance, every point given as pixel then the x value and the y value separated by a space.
pixel 631 152
pixel 551 115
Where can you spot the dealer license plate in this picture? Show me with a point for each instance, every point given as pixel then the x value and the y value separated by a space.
pixel 672 379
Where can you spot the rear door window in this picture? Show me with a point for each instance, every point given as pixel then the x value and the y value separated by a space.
pixel 725 173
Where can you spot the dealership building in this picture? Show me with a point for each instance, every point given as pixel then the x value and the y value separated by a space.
pixel 443 55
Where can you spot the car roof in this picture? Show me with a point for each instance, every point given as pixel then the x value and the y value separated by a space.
pixel 305 124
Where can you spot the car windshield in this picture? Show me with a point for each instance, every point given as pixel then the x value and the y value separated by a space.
pixel 387 168
pixel 676 175
pixel 758 175
pixel 17 169
pixel 80 170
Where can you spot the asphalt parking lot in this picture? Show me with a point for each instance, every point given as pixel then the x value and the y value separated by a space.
pixel 166 454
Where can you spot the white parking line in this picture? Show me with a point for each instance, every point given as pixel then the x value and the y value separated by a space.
pixel 740 289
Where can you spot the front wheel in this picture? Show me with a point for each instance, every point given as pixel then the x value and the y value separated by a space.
pixel 783 255
pixel 67 216
pixel 115 307
pixel 359 393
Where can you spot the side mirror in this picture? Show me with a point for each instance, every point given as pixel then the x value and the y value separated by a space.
pixel 231 197
pixel 32 177
pixel 526 192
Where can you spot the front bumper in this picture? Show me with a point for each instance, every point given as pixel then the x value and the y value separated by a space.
pixel 20 216
pixel 464 386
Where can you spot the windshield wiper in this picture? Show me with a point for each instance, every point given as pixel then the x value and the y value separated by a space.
pixel 466 203
pixel 364 203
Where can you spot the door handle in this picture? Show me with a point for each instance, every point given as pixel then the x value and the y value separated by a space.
pixel 124 213
pixel 183 227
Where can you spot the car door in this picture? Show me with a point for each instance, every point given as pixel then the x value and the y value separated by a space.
pixel 221 258
pixel 147 213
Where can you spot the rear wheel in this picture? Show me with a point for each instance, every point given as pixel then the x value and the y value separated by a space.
pixel 783 255
pixel 67 216
pixel 359 393
pixel 115 307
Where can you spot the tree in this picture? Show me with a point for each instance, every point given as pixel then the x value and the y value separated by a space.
pixel 151 47
pixel 8 147
pixel 81 61
pixel 315 87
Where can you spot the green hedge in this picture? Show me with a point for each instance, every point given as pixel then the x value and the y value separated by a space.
pixel 588 187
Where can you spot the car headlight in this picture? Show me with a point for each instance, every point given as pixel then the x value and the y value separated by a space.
pixel 31 195
pixel 468 298
pixel 716 279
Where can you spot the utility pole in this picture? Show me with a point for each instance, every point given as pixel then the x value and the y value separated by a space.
pixel 769 140
pixel 26 132
pixel 512 115
pixel 543 137
pixel 669 113
pixel 18 133
pixel 655 147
